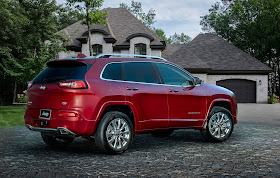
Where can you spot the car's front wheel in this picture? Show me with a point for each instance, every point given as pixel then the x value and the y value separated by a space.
pixel 219 125
pixel 56 140
pixel 114 133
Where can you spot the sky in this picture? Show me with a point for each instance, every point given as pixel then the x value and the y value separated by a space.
pixel 180 16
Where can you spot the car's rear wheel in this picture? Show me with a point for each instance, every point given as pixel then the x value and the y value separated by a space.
pixel 114 133
pixel 162 133
pixel 219 125
pixel 56 140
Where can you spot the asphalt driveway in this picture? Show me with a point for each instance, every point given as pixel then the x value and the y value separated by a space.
pixel 252 150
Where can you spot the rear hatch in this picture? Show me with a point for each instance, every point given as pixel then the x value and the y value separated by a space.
pixel 59 85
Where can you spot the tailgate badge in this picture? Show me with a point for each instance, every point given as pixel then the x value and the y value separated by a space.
pixel 64 103
pixel 42 87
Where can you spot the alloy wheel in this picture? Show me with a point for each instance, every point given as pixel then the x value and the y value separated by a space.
pixel 220 125
pixel 118 133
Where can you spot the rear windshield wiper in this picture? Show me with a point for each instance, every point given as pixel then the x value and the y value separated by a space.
pixel 53 79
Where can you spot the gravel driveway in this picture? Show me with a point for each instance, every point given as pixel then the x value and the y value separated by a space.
pixel 252 150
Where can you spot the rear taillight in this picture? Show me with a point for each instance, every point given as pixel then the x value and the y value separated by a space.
pixel 29 84
pixel 72 84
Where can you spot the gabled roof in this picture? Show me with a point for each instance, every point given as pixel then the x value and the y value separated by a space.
pixel 124 24
pixel 178 54
pixel 215 53
pixel 120 27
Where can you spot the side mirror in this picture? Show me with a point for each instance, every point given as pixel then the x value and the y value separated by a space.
pixel 197 81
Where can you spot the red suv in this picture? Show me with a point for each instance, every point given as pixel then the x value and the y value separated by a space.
pixel 111 99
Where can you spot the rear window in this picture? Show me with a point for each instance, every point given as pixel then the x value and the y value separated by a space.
pixel 112 71
pixel 62 70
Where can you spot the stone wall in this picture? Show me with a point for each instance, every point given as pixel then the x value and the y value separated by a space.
pixel 137 40
pixel 261 83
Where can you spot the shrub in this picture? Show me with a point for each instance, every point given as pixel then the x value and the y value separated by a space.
pixel 22 98
pixel 273 99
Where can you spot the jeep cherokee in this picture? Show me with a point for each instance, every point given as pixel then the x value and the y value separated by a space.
pixel 112 98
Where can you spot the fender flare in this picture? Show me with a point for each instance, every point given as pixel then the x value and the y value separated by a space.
pixel 211 106
pixel 91 128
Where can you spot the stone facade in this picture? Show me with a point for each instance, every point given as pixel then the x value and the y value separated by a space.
pixel 138 40
pixel 261 83
pixel 98 38
pixel 64 54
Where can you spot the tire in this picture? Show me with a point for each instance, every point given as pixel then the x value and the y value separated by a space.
pixel 114 133
pixel 162 133
pixel 56 140
pixel 219 125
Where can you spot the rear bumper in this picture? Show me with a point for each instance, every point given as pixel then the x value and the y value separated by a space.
pixel 76 124
pixel 58 130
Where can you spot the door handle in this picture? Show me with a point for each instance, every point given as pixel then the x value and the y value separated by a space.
pixel 173 91
pixel 132 89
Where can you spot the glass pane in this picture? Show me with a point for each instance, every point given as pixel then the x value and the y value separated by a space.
pixel 61 70
pixel 173 76
pixel 96 49
pixel 140 72
pixel 140 49
pixel 112 71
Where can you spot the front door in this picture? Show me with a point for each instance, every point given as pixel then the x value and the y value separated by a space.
pixel 186 102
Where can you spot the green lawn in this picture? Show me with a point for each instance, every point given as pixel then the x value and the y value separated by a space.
pixel 11 116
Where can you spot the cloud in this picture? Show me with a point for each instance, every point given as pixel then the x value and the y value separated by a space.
pixel 180 15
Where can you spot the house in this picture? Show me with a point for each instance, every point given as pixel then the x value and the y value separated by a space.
pixel 207 56
pixel 123 33
pixel 218 62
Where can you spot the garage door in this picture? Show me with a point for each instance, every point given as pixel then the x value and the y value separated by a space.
pixel 245 90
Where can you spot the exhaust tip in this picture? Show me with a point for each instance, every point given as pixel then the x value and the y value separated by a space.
pixel 29 126
pixel 63 132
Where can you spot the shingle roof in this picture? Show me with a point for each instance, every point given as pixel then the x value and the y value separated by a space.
pixel 212 51
pixel 120 25
pixel 170 49
pixel 124 24
pixel 76 30
pixel 178 54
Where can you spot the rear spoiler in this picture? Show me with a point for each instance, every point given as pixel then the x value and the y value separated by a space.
pixel 67 63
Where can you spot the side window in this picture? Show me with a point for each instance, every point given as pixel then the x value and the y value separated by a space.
pixel 112 71
pixel 173 76
pixel 140 72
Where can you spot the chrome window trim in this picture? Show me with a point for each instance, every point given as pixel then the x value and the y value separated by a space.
pixel 144 82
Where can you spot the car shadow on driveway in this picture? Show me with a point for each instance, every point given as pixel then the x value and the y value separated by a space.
pixel 144 143
pixel 31 142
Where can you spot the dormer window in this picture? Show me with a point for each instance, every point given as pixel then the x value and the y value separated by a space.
pixel 140 48
pixel 96 49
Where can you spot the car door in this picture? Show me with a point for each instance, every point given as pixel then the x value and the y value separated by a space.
pixel 148 97
pixel 185 100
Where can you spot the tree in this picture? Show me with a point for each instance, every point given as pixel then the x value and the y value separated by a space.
pixel 251 25
pixel 25 25
pixel 68 16
pixel 92 16
pixel 136 9
pixel 179 39
pixel 161 34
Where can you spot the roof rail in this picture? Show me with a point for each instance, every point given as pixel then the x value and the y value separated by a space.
pixel 107 55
